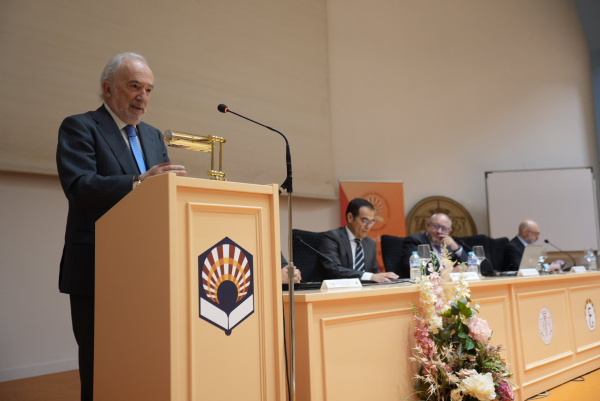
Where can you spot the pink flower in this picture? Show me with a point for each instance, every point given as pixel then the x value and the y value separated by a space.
pixel 423 340
pixel 505 392
pixel 479 330
pixel 446 367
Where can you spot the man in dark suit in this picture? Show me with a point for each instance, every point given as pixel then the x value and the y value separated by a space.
pixel 436 235
pixel 350 249
pixel 529 233
pixel 101 156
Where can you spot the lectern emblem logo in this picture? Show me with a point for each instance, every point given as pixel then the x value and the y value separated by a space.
pixel 226 285
pixel 590 315
pixel 545 325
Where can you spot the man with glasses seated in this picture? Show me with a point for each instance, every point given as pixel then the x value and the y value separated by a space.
pixel 529 233
pixel 349 248
pixel 436 235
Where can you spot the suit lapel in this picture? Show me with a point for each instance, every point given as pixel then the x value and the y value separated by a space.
pixel 113 137
pixel 148 145
pixel 347 247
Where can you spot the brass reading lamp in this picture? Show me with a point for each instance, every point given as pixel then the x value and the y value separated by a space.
pixel 199 143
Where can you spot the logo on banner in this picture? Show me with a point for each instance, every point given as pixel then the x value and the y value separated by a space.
pixel 381 210
pixel 545 325
pixel 590 315
pixel 226 288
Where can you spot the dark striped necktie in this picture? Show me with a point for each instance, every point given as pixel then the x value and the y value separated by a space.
pixel 359 257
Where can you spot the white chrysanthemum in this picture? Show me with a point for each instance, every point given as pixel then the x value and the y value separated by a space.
pixel 479 386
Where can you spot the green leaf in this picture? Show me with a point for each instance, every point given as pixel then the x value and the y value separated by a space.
pixel 445 334
pixel 454 310
pixel 469 344
pixel 464 309
pixel 447 314
pixel 463 335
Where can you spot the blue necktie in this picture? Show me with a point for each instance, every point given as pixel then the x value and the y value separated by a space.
pixel 135 148
pixel 359 257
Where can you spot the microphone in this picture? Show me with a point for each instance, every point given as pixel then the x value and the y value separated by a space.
pixel 298 238
pixel 551 244
pixel 287 184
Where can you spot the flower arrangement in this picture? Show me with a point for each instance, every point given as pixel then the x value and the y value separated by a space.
pixel 457 361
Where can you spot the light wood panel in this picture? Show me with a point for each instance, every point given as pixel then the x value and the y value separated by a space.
pixel 367 333
pixel 151 342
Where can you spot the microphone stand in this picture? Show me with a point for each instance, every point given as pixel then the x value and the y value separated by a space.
pixel 561 251
pixel 288 187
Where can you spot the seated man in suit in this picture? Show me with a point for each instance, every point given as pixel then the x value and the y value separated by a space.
pixel 352 253
pixel 529 233
pixel 436 235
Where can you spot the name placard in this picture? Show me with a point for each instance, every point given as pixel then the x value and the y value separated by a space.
pixel 578 269
pixel 528 273
pixel 341 283
pixel 469 276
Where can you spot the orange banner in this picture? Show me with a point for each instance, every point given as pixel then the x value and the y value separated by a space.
pixel 388 200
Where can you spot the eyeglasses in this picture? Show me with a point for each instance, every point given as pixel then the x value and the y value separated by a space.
pixel 437 227
pixel 367 222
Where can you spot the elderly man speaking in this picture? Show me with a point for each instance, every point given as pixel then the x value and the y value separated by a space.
pixel 101 156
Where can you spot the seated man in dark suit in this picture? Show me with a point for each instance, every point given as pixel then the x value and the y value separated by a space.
pixel 349 248
pixel 529 233
pixel 436 235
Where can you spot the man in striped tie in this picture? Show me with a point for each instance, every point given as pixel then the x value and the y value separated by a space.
pixel 101 156
pixel 350 253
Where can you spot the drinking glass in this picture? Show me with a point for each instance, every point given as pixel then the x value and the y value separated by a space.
pixel 479 253
pixel 542 259
pixel 424 252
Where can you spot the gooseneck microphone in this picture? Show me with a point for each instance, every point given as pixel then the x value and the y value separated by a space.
pixel 287 184
pixel 298 238
pixel 561 251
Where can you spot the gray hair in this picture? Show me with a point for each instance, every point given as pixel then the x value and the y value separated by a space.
pixel 113 65
pixel 433 216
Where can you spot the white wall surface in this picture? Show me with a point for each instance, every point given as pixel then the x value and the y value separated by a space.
pixel 36 335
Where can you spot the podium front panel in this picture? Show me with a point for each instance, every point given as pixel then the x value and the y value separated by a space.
pixel 215 277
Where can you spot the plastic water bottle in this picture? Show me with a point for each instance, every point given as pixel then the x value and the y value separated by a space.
pixel 591 258
pixel 472 263
pixel 415 265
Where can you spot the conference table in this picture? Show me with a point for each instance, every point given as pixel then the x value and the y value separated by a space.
pixel 354 344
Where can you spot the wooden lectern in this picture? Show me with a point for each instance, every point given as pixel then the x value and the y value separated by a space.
pixel 168 257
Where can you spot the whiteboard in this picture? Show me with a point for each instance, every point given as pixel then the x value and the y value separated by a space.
pixel 561 201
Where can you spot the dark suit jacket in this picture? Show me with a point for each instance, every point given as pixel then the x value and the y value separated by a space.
pixel 412 242
pixel 513 253
pixel 96 169
pixel 335 244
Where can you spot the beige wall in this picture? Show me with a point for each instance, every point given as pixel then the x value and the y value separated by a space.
pixel 35 330
pixel 435 93
pixel 432 93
